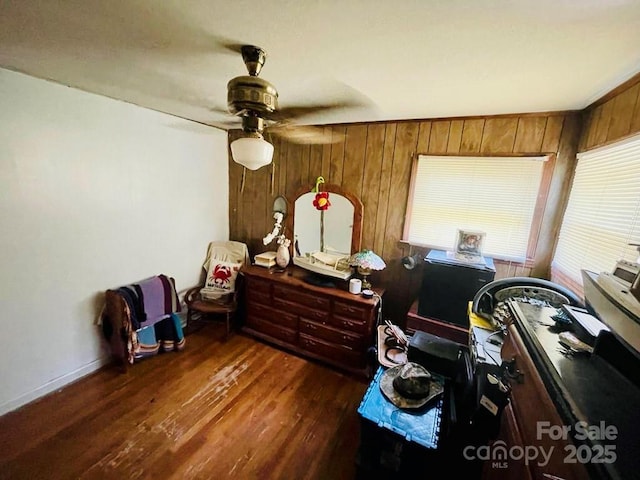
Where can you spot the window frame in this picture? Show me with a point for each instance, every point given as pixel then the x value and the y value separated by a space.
pixel 632 141
pixel 538 211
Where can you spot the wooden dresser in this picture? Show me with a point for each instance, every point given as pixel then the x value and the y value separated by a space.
pixel 326 324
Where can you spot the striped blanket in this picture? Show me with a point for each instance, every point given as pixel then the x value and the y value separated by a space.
pixel 140 319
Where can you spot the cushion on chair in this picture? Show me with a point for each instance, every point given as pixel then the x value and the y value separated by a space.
pixel 221 279
pixel 223 262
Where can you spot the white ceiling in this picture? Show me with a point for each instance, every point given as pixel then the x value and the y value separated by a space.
pixel 408 58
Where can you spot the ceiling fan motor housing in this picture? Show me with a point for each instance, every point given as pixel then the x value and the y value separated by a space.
pixel 251 93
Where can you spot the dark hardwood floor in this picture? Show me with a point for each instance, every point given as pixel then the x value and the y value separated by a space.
pixel 217 410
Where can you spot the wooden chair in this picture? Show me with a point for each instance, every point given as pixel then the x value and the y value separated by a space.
pixel 222 264
pixel 202 308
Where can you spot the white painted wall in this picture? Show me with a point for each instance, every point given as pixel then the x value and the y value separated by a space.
pixel 94 194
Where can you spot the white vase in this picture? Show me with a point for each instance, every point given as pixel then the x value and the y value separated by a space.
pixel 282 256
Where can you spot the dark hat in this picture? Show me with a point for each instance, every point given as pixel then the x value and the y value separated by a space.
pixel 409 385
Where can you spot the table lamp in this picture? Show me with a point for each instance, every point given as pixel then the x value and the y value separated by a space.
pixel 365 262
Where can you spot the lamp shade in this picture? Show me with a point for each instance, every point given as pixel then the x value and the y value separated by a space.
pixel 367 260
pixel 252 152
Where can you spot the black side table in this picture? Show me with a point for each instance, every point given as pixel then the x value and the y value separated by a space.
pixel 394 440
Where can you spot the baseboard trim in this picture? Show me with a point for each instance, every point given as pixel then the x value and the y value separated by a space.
pixel 53 385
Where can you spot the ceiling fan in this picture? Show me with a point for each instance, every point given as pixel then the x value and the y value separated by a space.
pixel 254 101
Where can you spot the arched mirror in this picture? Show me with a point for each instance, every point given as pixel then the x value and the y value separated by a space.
pixel 324 239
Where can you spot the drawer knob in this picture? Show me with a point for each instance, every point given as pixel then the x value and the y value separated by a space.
pixel 511 370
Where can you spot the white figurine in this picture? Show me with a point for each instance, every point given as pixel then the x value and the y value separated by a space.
pixel 282 240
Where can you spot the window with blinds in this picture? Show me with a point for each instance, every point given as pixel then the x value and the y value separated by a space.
pixel 496 195
pixel 603 212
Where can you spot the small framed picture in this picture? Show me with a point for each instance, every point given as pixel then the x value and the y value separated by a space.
pixel 469 243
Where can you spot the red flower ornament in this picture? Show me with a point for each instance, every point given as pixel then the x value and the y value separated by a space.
pixel 321 202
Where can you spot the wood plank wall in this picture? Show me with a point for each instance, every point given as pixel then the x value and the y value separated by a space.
pixel 374 161
pixel 613 117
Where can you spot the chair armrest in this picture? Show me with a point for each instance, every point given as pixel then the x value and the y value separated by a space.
pixel 191 295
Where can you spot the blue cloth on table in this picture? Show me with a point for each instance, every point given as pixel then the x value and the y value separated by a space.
pixel 421 426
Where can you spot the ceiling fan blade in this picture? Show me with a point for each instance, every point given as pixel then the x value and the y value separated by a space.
pixel 227 44
pixel 350 99
pixel 343 97
pixel 303 134
pixel 231 123
pixel 220 110
pixel 297 112
pixel 232 46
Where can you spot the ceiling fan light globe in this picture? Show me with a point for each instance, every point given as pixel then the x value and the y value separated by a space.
pixel 252 152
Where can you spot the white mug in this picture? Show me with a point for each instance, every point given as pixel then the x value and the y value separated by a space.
pixel 355 285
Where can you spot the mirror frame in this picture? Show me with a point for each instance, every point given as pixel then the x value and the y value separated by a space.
pixel 356 231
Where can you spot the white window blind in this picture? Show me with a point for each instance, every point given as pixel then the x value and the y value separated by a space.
pixel 496 195
pixel 603 212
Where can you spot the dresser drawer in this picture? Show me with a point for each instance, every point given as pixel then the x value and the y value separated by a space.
pixel 258 285
pixel 358 326
pixel 351 310
pixel 277 317
pixel 331 351
pixel 302 310
pixel 261 325
pixel 295 296
pixel 350 340
pixel 258 296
